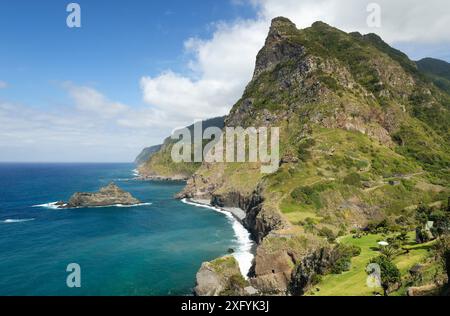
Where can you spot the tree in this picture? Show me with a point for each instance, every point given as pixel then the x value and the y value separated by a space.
pixel 390 274
pixel 441 220
pixel 442 248
pixel 422 214
pixel 389 252
pixel 403 237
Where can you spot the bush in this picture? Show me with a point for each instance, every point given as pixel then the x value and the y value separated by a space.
pixel 344 255
pixel 349 250
pixel 353 179
pixel 235 286
pixel 303 150
pixel 442 249
pixel 327 233
pixel 378 227
pixel 310 195
pixel 390 274
pixel 307 196
pixel 316 279
pixel 341 265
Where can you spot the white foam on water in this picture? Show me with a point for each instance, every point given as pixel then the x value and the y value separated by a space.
pixel 54 206
pixel 51 205
pixel 11 221
pixel 244 255
pixel 134 205
pixel 136 172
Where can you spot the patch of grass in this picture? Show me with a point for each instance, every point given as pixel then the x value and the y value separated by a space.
pixel 353 282
pixel 223 264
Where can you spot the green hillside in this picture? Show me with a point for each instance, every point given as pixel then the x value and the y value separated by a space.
pixel 364 139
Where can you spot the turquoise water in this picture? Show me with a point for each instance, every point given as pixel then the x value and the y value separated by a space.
pixel 147 250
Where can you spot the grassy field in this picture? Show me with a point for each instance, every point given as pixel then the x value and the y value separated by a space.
pixel 353 282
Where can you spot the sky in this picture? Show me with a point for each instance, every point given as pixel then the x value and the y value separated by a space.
pixel 137 69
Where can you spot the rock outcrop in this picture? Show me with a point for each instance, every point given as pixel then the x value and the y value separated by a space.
pixel 107 196
pixel 220 277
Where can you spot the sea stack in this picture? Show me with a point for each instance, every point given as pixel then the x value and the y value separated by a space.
pixel 107 196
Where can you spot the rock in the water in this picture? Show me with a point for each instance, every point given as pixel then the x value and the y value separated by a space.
pixel 107 196
pixel 220 277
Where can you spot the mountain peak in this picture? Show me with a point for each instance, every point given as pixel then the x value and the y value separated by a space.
pixel 320 24
pixel 282 21
pixel 280 27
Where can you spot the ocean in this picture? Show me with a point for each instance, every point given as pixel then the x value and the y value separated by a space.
pixel 152 249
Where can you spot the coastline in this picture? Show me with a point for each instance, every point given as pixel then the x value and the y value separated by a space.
pixel 138 176
pixel 245 253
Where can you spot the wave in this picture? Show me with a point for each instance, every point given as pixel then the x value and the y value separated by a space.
pixel 134 205
pixel 51 205
pixel 124 179
pixel 54 206
pixel 134 172
pixel 244 254
pixel 11 221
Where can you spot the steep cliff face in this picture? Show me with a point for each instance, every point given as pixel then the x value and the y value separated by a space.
pixel 146 154
pixel 364 135
pixel 160 165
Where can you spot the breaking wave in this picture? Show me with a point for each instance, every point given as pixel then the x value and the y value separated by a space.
pixel 244 254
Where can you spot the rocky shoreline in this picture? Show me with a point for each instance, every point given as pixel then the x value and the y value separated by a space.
pixel 161 178
pixel 238 213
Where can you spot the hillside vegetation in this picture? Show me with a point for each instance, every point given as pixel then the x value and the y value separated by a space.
pixel 364 138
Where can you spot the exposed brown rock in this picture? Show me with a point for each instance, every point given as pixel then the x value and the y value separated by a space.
pixel 107 196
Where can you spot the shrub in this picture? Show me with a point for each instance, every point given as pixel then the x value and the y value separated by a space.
pixel 316 279
pixel 310 195
pixel 327 233
pixel 390 274
pixel 344 255
pixel 304 149
pixel 307 196
pixel 341 265
pixel 235 286
pixel 378 227
pixel 353 179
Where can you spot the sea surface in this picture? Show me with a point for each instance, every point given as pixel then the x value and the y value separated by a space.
pixel 151 249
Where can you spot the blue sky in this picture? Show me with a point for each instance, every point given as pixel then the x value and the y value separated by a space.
pixel 137 69
pixel 116 45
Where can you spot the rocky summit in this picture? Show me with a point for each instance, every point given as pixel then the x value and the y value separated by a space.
pixel 107 196
pixel 364 139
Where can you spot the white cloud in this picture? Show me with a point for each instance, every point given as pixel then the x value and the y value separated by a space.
pixel 3 84
pixel 89 100
pixel 223 65
pixel 90 129
pixel 402 20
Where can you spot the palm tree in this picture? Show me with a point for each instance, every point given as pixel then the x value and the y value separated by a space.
pixel 389 252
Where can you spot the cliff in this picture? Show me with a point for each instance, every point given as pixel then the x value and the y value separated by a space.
pixel 160 164
pixel 364 135
pixel 146 154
